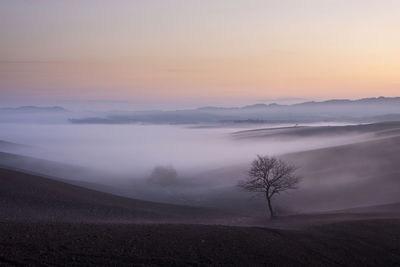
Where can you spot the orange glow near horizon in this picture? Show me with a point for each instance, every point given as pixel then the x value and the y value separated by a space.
pixel 205 50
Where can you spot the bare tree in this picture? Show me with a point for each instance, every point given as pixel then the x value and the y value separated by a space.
pixel 270 176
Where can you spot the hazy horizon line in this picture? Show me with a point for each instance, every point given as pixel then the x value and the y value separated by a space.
pixel 266 101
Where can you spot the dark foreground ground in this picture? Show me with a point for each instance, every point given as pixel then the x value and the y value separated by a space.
pixel 356 243
pixel 45 222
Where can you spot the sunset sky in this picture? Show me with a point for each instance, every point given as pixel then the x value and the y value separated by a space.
pixel 171 53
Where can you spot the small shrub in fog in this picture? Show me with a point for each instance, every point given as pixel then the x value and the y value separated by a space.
pixel 164 176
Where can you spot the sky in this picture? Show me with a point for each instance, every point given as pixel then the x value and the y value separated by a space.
pixel 176 53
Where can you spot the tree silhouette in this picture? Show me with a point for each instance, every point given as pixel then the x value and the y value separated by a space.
pixel 270 176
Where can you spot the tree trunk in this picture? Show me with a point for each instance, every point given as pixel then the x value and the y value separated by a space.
pixel 271 211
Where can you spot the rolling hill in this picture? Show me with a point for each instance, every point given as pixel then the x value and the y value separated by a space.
pixel 29 197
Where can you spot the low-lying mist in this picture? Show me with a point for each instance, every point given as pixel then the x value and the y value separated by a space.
pixel 134 150
pixel 182 164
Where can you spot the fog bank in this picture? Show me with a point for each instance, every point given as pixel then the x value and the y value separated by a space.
pixel 135 149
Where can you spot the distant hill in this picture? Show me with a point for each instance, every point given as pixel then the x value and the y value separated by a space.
pixel 374 100
pixel 34 114
pixel 33 109
pixel 4 145
pixel 374 129
pixel 11 147
pixel 42 167
pixel 362 110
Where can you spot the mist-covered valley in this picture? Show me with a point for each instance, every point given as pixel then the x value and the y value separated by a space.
pixel 200 166
pixel 134 150
pixel 200 133
pixel 143 188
